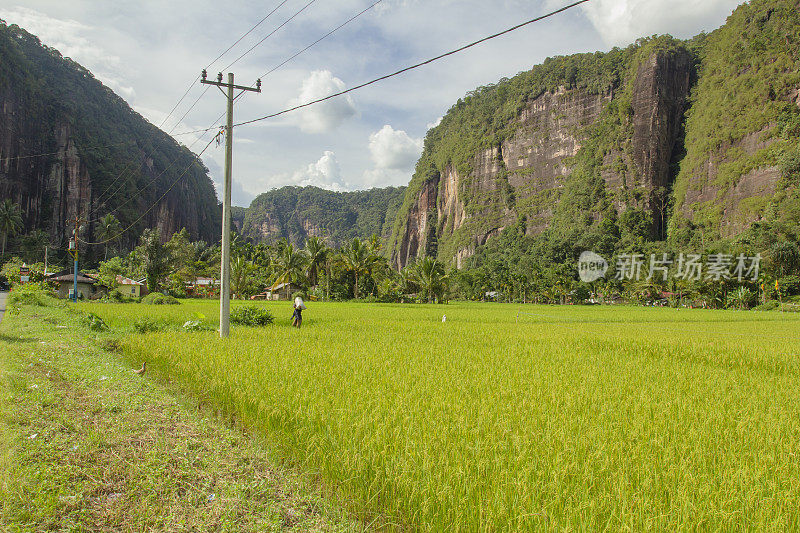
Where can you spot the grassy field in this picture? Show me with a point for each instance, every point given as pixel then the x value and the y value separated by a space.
pixel 86 445
pixel 512 417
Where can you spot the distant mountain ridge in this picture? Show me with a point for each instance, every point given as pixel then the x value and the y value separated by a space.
pixel 50 104
pixel 296 213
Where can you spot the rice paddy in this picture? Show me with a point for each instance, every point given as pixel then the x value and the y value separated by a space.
pixel 509 417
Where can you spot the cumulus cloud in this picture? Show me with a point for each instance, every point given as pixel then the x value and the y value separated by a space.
pixel 394 154
pixel 620 22
pixel 325 173
pixel 327 115
pixel 394 149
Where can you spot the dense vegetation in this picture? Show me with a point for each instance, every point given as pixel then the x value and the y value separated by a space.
pixel 55 96
pixel 295 213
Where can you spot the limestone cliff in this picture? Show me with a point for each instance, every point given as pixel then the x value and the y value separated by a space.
pixel 69 145
pixel 687 140
pixel 744 122
pixel 522 176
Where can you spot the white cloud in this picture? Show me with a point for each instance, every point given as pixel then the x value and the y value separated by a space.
pixel 394 149
pixel 621 22
pixel 394 154
pixel 384 177
pixel 327 115
pixel 325 173
pixel 434 123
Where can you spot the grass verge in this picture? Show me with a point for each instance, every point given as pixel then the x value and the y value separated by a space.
pixel 86 444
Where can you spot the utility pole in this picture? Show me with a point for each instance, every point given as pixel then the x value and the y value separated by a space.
pixel 45 260
pixel 73 248
pixel 225 266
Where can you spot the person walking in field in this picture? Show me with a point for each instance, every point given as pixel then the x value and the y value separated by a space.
pixel 297 316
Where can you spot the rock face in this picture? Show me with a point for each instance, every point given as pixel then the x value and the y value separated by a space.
pixel 68 145
pixel 522 177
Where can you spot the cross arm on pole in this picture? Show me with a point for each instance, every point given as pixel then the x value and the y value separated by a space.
pixel 220 83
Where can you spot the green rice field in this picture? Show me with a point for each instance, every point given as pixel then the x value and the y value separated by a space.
pixel 510 417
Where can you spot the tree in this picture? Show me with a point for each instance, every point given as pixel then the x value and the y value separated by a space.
pixel 317 252
pixel 242 272
pixel 108 230
pixel 155 258
pixel 10 221
pixel 290 266
pixel 356 259
pixel 431 279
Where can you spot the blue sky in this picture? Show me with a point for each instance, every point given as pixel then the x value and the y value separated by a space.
pixel 149 52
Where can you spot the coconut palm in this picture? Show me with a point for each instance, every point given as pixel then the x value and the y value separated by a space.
pixel 431 279
pixel 10 221
pixel 108 229
pixel 290 266
pixel 242 272
pixel 356 259
pixel 317 253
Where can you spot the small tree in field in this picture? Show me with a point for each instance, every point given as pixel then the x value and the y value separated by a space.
pixel 156 258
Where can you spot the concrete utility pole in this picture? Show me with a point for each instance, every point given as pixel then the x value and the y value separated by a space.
pixel 225 266
pixel 73 248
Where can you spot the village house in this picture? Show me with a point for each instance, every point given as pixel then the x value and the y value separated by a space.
pixel 88 287
pixel 131 288
pixel 278 291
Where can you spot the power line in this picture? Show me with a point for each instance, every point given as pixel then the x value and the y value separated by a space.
pixel 148 184
pixel 45 154
pixel 115 237
pixel 248 32
pixel 412 67
pixel 276 67
pixel 163 122
pixel 197 100
pixel 270 34
pixel 340 26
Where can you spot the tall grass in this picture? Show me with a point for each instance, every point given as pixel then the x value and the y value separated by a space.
pixel 579 418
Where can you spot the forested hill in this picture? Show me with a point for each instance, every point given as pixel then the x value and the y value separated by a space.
pixel 51 105
pixel 295 213
pixel 688 142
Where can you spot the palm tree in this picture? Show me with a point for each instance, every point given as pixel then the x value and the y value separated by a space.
pixel 241 275
pixel 430 276
pixel 108 230
pixel 356 259
pixel 10 221
pixel 317 253
pixel 290 266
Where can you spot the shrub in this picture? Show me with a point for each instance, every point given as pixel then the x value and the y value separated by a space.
pixel 94 322
pixel 32 294
pixel 146 325
pixel 768 306
pixel 742 298
pixel 251 315
pixel 115 296
pixel 196 325
pixel 157 298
